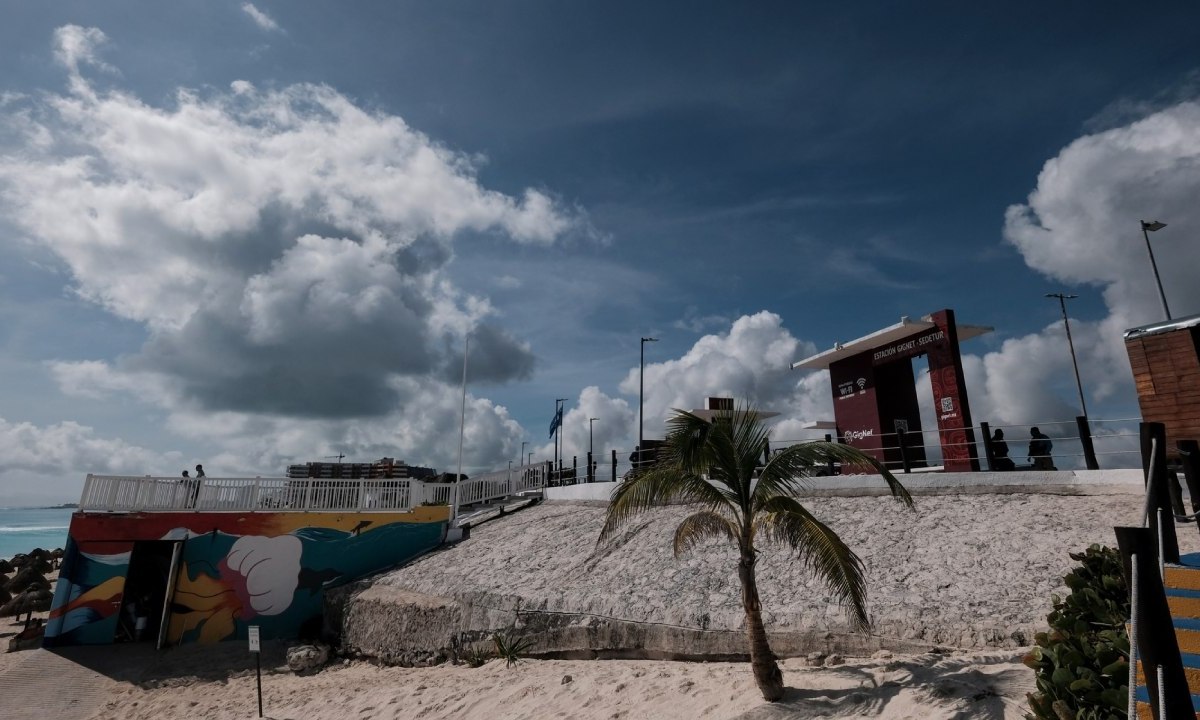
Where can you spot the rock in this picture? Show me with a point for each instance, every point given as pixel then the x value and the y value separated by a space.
pixel 833 660
pixel 882 654
pixel 305 659
pixel 567 679
pixel 815 658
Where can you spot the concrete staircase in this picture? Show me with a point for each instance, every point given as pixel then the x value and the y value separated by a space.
pixel 475 514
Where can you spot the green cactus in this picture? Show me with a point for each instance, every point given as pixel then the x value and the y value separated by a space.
pixel 1082 663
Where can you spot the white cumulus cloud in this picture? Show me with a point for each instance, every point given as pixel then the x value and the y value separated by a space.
pixel 260 18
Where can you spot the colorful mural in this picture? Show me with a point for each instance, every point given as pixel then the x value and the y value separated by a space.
pixel 233 570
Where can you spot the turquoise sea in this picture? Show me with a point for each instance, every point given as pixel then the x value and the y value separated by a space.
pixel 23 529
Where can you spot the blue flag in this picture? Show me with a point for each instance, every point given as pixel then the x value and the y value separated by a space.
pixel 556 422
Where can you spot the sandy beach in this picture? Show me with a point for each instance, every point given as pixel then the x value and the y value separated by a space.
pixel 218 683
pixel 967 578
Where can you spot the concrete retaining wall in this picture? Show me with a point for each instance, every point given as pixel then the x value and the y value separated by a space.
pixel 1063 482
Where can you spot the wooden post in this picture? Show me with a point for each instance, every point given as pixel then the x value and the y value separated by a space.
pixel 988 452
pixel 1085 438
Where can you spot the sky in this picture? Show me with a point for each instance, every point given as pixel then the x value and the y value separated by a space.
pixel 253 234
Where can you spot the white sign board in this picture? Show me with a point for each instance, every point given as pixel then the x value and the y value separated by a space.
pixel 255 645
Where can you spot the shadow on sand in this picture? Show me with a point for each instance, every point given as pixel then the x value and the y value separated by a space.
pixel 935 687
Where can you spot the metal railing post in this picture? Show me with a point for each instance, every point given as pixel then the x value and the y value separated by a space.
pixel 903 451
pixel 614 465
pixel 1085 439
pixel 1189 456
pixel 832 470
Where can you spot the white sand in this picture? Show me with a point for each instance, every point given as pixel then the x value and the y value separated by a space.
pixel 963 571
pixel 927 686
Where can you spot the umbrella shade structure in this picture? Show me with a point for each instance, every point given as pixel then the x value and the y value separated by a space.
pixel 34 599
pixel 24 578
pixel 38 560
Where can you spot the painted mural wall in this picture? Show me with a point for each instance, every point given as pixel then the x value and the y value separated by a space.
pixel 235 570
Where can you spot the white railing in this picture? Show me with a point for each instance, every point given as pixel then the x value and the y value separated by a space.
pixel 112 493
pixel 488 487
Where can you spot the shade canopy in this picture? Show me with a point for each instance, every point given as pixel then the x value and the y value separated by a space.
pixel 880 338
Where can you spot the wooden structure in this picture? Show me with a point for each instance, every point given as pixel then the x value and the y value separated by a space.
pixel 1165 359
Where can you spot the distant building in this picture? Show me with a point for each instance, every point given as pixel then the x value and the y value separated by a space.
pixel 384 468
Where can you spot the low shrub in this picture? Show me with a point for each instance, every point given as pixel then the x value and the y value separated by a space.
pixel 511 649
pixel 1082 662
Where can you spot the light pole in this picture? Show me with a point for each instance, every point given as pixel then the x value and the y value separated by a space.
pixel 1062 302
pixel 523 444
pixel 530 460
pixel 589 460
pixel 641 396
pixel 462 426
pixel 1147 228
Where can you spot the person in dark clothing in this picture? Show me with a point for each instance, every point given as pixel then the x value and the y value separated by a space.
pixel 1000 452
pixel 1039 450
pixel 199 470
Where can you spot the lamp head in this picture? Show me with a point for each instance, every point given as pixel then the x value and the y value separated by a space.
pixel 1153 225
pixel 649 339
pixel 1061 296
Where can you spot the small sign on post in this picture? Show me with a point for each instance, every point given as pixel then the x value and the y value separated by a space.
pixel 256 648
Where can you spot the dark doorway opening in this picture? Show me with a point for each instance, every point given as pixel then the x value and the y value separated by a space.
pixel 146 589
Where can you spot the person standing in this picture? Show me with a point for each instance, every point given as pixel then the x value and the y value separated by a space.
pixel 1000 452
pixel 1039 450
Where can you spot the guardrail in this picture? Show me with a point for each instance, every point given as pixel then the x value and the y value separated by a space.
pixel 114 493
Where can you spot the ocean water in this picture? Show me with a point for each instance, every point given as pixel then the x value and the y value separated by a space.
pixel 23 529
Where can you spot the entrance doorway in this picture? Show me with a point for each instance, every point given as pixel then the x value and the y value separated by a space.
pixel 149 586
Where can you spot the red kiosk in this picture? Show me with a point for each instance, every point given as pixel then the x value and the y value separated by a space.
pixel 875 391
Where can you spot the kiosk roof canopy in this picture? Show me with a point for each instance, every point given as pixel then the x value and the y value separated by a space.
pixel 880 338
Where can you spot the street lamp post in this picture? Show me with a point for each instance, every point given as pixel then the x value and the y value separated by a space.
pixel 1062 302
pixel 589 470
pixel 462 425
pixel 1147 228
pixel 641 396
pixel 530 460
pixel 523 444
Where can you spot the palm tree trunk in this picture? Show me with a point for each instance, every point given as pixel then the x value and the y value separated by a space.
pixel 762 660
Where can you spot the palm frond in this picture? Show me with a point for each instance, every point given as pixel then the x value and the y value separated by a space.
pixel 786 473
pixel 702 526
pixel 785 521
pixel 661 485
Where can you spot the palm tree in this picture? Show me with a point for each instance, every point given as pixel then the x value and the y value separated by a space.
pixel 717 464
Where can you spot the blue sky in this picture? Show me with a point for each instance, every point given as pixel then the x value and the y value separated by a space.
pixel 249 235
